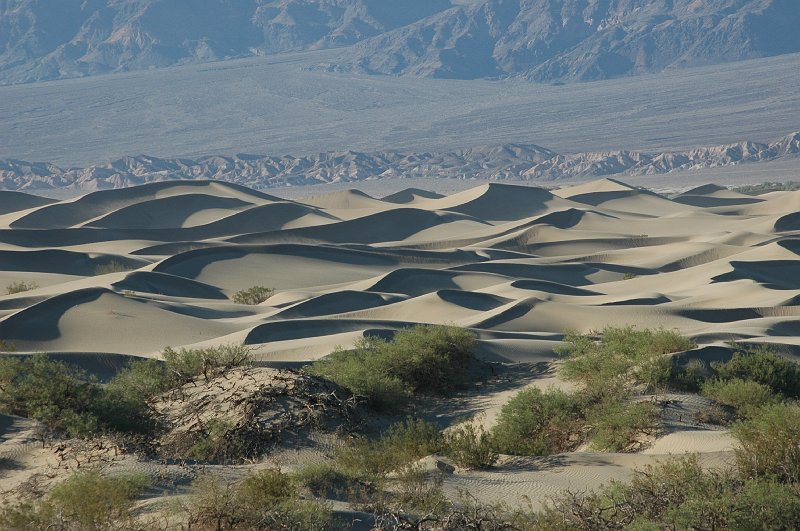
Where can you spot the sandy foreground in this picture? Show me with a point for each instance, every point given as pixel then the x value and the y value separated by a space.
pixel 517 265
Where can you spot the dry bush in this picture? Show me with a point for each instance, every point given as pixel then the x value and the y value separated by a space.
pixel 20 287
pixel 253 296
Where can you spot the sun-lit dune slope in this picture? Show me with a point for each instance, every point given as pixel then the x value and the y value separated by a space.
pixel 158 265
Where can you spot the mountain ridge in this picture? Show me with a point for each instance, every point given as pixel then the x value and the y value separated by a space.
pixel 506 162
pixel 540 40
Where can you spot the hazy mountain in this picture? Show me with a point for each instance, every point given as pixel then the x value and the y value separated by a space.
pixel 46 39
pixel 514 162
pixel 560 40
pixel 543 40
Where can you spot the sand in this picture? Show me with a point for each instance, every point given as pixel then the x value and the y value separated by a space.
pixel 518 265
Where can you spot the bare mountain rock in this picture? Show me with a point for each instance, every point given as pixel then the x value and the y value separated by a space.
pixel 584 40
pixel 42 39
pixel 507 162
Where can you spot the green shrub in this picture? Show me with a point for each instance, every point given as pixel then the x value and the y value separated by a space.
pixel 111 267
pixel 621 357
pixel 401 444
pixel 364 375
pixel 678 494
pixel 415 491
pixel 423 359
pixel 185 364
pixel 768 443
pixel 470 447
pixel 217 441
pixel 60 396
pixel 619 425
pixel 539 423
pixel 67 400
pixel 763 366
pixel 265 500
pixel 87 500
pixel 689 377
pixel 745 396
pixel 253 296
pixel 20 287
pixel 325 480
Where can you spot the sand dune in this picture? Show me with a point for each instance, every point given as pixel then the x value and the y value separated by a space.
pixel 497 257
pixel 518 265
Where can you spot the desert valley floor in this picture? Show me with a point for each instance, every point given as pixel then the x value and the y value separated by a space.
pixel 517 265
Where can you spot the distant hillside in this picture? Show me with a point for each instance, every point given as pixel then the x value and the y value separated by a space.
pixel 509 162
pixel 558 40
pixel 46 39
pixel 543 40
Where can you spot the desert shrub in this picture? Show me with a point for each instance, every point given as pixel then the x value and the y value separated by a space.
pixel 326 480
pixel 414 491
pixel 67 400
pixel 185 364
pixel 619 425
pixel 20 287
pixel 253 296
pixel 265 500
pixel 621 356
pixel 745 396
pixel 768 443
pixel 678 494
pixel 364 376
pixel 423 359
pixel 401 444
pixel 761 365
pixel 60 396
pixel 86 500
pixel 110 267
pixel 689 377
pixel 470 446
pixel 217 441
pixel 539 423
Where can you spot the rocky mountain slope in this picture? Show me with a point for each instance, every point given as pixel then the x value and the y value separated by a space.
pixel 41 39
pixel 557 40
pixel 543 40
pixel 508 162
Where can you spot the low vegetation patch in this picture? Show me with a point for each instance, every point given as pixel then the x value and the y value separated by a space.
pixel 401 444
pixel 768 443
pixel 761 365
pixel 424 359
pixel 470 446
pixel 185 364
pixel 744 396
pixel 68 401
pixel 253 296
pixel 86 500
pixel 268 499
pixel 678 494
pixel 612 367
pixel 111 267
pixel 536 422
pixel 766 187
pixel 20 287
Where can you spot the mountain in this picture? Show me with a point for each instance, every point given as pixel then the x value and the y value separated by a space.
pixel 578 40
pixel 43 39
pixel 508 162
pixel 542 40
